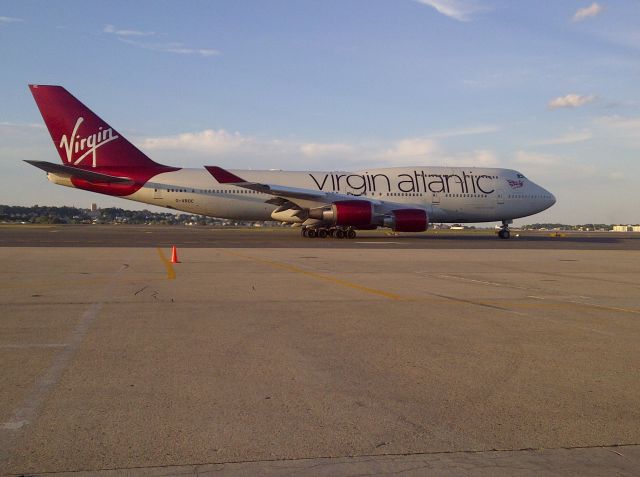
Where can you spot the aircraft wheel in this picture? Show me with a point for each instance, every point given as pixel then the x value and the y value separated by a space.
pixel 351 234
pixel 339 234
pixel 322 233
pixel 304 232
pixel 504 234
pixel 312 233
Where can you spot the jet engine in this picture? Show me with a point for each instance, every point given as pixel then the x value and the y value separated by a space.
pixel 407 220
pixel 360 214
pixel 351 213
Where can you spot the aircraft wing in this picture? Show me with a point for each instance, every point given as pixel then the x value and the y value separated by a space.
pixel 292 193
pixel 75 172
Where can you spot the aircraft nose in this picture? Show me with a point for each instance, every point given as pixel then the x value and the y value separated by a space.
pixel 550 198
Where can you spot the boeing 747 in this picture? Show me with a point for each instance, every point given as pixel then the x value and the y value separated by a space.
pixel 97 158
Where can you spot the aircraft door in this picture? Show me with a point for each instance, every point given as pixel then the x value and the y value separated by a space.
pixel 157 193
pixel 500 195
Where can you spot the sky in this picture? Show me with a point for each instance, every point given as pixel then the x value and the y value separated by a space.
pixel 549 88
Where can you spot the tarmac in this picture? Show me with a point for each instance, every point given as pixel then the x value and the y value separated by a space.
pixel 451 354
pixel 286 237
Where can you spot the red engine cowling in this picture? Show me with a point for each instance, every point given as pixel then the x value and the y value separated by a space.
pixel 348 213
pixel 409 220
pixel 354 213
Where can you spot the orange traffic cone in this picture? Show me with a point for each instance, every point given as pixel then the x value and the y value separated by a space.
pixel 174 255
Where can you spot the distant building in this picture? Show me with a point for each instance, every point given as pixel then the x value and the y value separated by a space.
pixel 93 212
pixel 624 228
pixel 635 228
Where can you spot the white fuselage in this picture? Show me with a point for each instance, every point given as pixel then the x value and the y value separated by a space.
pixel 448 194
pixel 96 157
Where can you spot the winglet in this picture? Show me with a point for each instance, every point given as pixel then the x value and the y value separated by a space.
pixel 223 176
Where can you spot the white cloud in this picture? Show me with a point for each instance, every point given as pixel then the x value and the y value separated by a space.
pixel 412 148
pixel 554 167
pixel 629 38
pixel 570 101
pixel 178 48
pixel 479 158
pixel 23 141
pixel 20 137
pixel 567 138
pixel 483 129
pixel 621 124
pixel 314 149
pixel 221 146
pixel 224 144
pixel 115 31
pixel 195 148
pixel 427 151
pixel 460 10
pixel 591 11
pixel 208 141
pixel 623 129
pixel 9 124
pixel 5 20
pixel 580 183
pixel 181 50
pixel 536 159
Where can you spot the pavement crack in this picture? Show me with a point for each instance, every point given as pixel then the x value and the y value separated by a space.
pixel 364 458
pixel 472 302
pixel 142 289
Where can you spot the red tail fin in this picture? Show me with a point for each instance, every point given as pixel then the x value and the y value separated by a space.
pixel 85 141
pixel 81 137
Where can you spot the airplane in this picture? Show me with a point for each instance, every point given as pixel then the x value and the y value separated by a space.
pixel 97 158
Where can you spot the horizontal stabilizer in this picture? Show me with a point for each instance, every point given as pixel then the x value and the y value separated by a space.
pixel 75 172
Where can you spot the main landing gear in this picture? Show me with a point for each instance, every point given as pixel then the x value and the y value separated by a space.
pixel 504 232
pixel 332 232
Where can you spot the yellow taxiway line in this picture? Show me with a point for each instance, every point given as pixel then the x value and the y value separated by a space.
pixel 171 273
